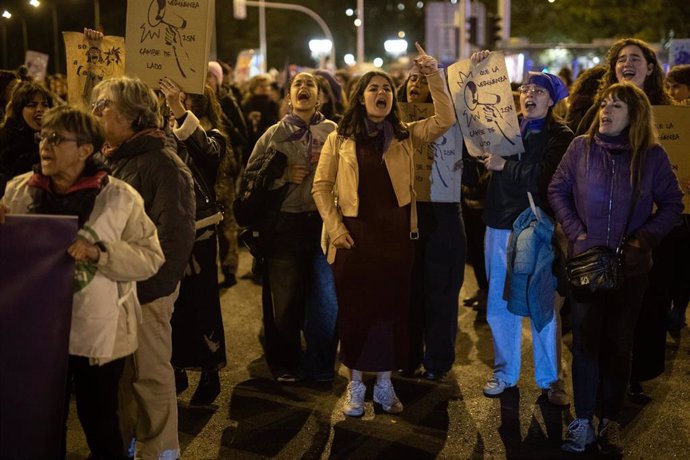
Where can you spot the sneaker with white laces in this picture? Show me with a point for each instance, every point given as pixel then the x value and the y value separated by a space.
pixel 495 386
pixel 384 394
pixel 354 404
pixel 610 438
pixel 556 394
pixel 580 435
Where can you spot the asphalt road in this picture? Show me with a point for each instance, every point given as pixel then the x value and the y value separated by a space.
pixel 256 417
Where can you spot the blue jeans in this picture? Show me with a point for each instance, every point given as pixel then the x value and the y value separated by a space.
pixel 506 327
pixel 321 321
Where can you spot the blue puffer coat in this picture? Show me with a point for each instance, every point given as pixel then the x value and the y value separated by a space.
pixel 590 194
pixel 532 285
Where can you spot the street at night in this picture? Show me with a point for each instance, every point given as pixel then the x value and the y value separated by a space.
pixel 255 417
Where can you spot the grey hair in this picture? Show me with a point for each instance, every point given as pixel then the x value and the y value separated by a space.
pixel 134 99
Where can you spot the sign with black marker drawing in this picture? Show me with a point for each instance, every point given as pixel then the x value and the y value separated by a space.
pixel 170 38
pixel 484 106
pixel 89 63
pixel 438 164
pixel 673 124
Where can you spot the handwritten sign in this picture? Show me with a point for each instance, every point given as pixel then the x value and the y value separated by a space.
pixel 679 52
pixel 88 65
pixel 170 38
pixel 484 106
pixel 438 165
pixel 36 63
pixel 243 66
pixel 673 124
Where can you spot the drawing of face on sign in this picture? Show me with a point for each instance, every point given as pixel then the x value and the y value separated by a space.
pixel 172 24
pixel 487 103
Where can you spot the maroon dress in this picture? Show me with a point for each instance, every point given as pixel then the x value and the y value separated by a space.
pixel 373 278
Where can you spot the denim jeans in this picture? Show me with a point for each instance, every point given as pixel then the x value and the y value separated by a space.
pixel 603 331
pixel 506 327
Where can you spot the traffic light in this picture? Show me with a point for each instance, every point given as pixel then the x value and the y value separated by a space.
pixel 494 35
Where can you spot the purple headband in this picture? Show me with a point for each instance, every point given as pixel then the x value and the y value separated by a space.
pixel 552 83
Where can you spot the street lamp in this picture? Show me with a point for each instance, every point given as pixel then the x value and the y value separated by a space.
pixel 320 48
pixel 396 47
pixel 56 38
pixel 25 35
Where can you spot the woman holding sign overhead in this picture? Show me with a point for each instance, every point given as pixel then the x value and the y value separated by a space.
pixel 367 167
pixel 515 181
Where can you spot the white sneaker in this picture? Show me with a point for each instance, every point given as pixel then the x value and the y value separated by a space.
pixel 354 404
pixel 384 394
pixel 495 386
pixel 580 435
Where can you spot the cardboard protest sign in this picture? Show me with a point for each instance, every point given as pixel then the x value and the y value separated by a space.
pixel 37 64
pixel 484 106
pixel 90 63
pixel 673 124
pixel 170 38
pixel 438 165
pixel 35 316
pixel 679 52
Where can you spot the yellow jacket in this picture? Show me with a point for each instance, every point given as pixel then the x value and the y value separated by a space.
pixel 338 170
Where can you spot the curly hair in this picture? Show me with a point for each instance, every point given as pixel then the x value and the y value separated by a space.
pixel 653 84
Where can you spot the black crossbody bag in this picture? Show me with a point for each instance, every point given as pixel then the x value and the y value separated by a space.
pixel 600 269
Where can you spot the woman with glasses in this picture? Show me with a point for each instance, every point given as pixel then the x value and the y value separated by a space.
pixel 513 179
pixel 116 245
pixel 139 152
pixel 24 112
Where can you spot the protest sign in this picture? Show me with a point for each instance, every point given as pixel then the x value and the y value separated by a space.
pixel 170 38
pixel 35 312
pixel 484 106
pixel 243 66
pixel 37 65
pixel 438 164
pixel 90 63
pixel 673 124
pixel 679 52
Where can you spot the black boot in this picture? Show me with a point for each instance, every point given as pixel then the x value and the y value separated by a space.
pixel 181 382
pixel 207 390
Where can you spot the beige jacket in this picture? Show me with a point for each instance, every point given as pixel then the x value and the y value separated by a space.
pixel 338 170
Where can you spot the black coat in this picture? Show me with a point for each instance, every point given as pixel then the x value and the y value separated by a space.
pixel 18 151
pixel 150 165
pixel 506 196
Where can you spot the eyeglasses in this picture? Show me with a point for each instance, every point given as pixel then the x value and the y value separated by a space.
pixel 98 106
pixel 531 89
pixel 53 139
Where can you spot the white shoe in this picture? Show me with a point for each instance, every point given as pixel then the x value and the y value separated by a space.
pixel 580 435
pixel 384 394
pixel 354 404
pixel 495 386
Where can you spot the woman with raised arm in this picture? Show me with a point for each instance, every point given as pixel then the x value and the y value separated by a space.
pixel 368 166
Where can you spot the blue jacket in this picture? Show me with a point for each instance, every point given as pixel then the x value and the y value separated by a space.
pixel 531 283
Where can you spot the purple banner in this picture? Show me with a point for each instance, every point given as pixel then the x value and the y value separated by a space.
pixel 36 283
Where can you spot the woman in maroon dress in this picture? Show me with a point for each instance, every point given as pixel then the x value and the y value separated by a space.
pixel 367 165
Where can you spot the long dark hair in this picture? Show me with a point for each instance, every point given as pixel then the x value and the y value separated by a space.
pixel 353 122
pixel 22 95
pixel 641 132
pixel 653 84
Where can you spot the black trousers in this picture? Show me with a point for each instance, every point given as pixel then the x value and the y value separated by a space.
pixel 437 277
pixel 475 228
pixel 603 331
pixel 96 390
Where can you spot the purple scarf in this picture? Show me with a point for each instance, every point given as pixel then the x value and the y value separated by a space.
pixel 374 129
pixel 302 128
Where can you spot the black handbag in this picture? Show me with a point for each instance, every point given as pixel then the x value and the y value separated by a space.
pixel 600 269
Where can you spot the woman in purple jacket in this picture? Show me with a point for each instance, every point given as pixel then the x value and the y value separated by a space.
pixel 591 194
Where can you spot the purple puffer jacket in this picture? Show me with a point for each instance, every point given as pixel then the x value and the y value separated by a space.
pixel 590 194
